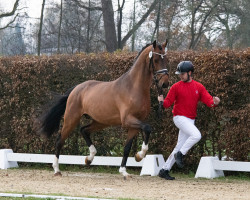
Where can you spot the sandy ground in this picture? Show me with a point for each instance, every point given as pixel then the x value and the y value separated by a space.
pixel 102 185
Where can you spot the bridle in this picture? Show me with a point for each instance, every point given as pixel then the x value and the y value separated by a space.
pixel 163 72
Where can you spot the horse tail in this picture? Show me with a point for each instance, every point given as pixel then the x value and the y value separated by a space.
pixel 50 121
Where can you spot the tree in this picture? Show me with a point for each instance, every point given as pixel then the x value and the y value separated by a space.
pixel 80 29
pixel 8 14
pixel 133 35
pixel 12 41
pixel 241 9
pixel 200 11
pixel 156 29
pixel 88 31
pixel 109 25
pixel 119 25
pixel 111 38
pixel 40 30
pixel 139 23
pixel 59 30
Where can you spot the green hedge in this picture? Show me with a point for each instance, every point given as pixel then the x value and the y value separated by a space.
pixel 28 83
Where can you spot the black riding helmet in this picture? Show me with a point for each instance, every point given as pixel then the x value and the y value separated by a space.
pixel 184 66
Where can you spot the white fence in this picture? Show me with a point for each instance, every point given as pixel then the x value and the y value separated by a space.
pixel 209 167
pixel 151 164
pixel 212 167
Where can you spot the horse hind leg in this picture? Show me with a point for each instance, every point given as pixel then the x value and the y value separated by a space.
pixel 55 165
pixel 70 122
pixel 131 134
pixel 85 131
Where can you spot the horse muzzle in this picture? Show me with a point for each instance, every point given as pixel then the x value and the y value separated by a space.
pixel 163 80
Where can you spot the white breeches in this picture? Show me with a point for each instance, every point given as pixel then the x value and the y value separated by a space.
pixel 188 136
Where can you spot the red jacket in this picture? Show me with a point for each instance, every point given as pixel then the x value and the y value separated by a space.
pixel 185 96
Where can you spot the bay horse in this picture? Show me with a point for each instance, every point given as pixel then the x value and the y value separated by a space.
pixel 124 101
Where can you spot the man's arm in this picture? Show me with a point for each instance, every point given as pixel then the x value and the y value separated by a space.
pixel 170 98
pixel 208 99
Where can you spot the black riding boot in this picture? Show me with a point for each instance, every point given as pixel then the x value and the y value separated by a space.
pixel 165 174
pixel 179 159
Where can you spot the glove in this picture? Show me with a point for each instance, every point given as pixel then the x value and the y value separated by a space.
pixel 160 98
pixel 216 100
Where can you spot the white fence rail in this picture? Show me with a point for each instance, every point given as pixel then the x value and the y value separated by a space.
pixel 151 164
pixel 209 167
pixel 68 159
pixel 212 167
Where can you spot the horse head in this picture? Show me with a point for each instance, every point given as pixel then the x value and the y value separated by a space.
pixel 158 63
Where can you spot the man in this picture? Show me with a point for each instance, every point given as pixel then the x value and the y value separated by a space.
pixel 185 95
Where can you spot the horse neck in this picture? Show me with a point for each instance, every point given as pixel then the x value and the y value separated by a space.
pixel 140 73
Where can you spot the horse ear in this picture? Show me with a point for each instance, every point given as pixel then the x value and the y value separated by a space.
pixel 165 44
pixel 154 44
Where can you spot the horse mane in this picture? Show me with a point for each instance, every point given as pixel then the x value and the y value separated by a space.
pixel 142 51
pixel 159 46
pixel 138 56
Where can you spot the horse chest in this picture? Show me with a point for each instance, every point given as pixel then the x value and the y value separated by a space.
pixel 141 107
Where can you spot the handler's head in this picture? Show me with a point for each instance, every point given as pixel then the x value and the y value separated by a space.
pixel 185 70
pixel 184 66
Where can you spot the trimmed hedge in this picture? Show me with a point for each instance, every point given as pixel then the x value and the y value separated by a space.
pixel 28 83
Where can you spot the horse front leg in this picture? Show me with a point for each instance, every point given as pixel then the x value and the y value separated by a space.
pixel 141 154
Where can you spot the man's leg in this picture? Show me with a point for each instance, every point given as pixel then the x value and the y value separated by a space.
pixel 193 135
pixel 171 160
pixel 164 172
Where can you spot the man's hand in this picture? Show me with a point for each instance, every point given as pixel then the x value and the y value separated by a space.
pixel 160 98
pixel 216 100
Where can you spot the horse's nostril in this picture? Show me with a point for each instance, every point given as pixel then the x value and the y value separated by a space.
pixel 165 85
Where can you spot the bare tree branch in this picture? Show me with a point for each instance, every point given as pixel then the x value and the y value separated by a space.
pixel 81 5
pixel 8 14
pixel 8 25
pixel 131 31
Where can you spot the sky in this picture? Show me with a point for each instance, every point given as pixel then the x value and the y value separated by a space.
pixel 32 7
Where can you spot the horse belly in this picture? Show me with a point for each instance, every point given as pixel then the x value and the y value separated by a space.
pixel 99 104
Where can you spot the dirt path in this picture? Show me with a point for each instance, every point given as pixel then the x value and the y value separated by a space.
pixel 113 186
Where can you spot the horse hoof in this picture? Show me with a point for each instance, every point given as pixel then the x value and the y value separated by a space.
pixel 127 177
pixel 87 162
pixel 58 174
pixel 137 157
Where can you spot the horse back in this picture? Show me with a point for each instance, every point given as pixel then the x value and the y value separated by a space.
pixel 96 99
